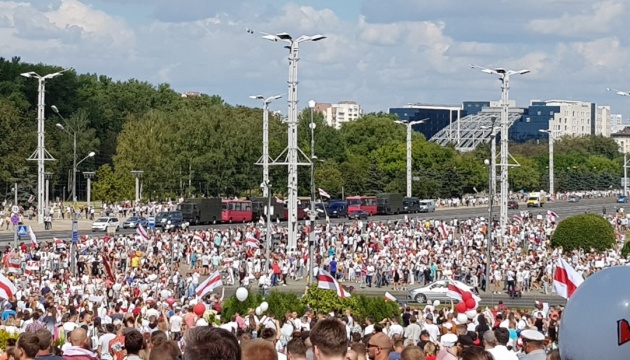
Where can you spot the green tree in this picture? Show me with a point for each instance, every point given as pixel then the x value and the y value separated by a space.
pixel 585 231
pixel 525 176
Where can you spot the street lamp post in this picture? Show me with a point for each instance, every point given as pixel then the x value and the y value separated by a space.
pixel 551 171
pixel 504 77
pixel 89 175
pixel 409 125
pixel 292 151
pixel 493 153
pixel 312 213
pixel 264 160
pixel 625 157
pixel 75 164
pixel 41 154
pixel 266 187
pixel 47 176
pixel 490 226
pixel 137 174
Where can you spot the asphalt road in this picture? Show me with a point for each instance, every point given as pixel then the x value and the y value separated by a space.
pixel 562 208
pixel 490 300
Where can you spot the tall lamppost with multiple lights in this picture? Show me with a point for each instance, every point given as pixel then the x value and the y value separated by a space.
pixel 551 140
pixel 41 155
pixel 504 77
pixel 264 159
pixel 494 130
pixel 75 165
pixel 292 151
pixel 313 212
pixel 410 125
pixel 490 225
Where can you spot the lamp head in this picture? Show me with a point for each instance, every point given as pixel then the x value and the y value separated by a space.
pixel 54 109
pixel 311 104
pixel 91 154
pixel 60 126
pixel 317 37
pixel 29 74
pixel 486 162
pixel 284 36
pixel 256 97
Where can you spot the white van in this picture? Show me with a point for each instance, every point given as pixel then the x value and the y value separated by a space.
pixel 427 206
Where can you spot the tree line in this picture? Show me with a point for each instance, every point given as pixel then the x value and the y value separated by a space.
pixel 200 145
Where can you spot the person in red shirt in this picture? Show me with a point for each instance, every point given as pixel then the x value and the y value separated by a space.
pixel 276 273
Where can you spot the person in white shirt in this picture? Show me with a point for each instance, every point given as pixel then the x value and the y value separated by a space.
pixel 103 343
pixel 176 324
pixel 395 328
pixel 495 343
pixel 431 328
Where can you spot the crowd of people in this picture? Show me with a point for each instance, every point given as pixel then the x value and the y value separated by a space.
pixel 128 295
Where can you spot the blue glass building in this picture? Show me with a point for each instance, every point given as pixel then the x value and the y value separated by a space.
pixel 438 117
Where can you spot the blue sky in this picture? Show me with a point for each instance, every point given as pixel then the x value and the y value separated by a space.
pixel 379 53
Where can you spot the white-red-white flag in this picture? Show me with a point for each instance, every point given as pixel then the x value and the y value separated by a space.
pixel 212 282
pixel 31 199
pixel 142 232
pixel 442 230
pixel 14 265
pixel 59 244
pixel 456 289
pixel 7 289
pixel 261 220
pixel 323 193
pixel 517 219
pixel 31 234
pixel 251 241
pixel 279 201
pixel 566 280
pixel 326 281
pixel 551 216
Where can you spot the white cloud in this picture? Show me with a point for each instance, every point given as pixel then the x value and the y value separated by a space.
pixel 599 18
pixel 391 53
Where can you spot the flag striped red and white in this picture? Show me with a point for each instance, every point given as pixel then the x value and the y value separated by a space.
pixel 7 288
pixel 261 220
pixel 31 199
pixel 108 268
pixel 327 281
pixel 212 282
pixel 456 289
pixel 551 216
pixel 566 280
pixel 59 244
pixel 323 193
pixel 517 219
pixel 442 230
pixel 31 234
pixel 197 237
pixel 14 265
pixel 142 232
pixel 279 201
pixel 251 241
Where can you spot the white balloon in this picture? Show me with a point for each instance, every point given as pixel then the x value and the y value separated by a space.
pixel 462 318
pixel 165 294
pixel 259 311
pixel 436 303
pixel 116 287
pixel 241 294
pixel 264 306
pixel 471 314
pixel 595 322
pixel 286 330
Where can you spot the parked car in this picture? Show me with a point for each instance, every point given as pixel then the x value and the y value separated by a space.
pixel 358 215
pixel 513 204
pixel 574 199
pixel 622 199
pixel 134 221
pixel 102 223
pixel 434 291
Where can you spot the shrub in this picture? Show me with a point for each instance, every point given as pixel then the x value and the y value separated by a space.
pixel 585 231
pixel 626 249
pixel 232 306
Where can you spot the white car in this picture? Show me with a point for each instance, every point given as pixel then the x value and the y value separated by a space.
pixel 434 291
pixel 102 223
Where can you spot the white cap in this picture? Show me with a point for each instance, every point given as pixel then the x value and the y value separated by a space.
pixel 448 340
pixel 533 335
